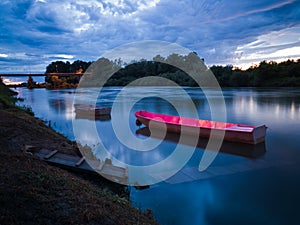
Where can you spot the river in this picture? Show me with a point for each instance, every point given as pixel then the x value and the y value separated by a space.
pixel 261 187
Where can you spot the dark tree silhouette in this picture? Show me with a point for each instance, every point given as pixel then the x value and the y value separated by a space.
pixel 282 74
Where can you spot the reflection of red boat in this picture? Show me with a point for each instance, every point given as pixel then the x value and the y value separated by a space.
pixel 233 132
pixel 240 149
pixel 90 111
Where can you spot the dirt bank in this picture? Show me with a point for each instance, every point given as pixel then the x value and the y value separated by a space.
pixel 33 192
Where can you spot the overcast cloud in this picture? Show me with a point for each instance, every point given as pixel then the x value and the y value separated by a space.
pixel 36 32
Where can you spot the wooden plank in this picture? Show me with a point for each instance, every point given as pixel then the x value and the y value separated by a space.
pixel 80 162
pixel 60 161
pixel 86 167
pixel 67 157
pixel 100 167
pixel 113 171
pixel 48 156
pixel 43 151
pixel 240 128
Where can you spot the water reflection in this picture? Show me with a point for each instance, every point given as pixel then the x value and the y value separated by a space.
pixel 235 189
pixel 246 150
pixel 92 117
pixel 58 105
pixel 258 106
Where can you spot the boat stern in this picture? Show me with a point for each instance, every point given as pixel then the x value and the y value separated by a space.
pixel 259 134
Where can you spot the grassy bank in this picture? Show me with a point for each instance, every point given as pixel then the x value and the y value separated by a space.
pixel 6 95
pixel 33 192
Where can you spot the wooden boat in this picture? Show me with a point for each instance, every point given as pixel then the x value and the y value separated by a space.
pixel 88 116
pixel 90 112
pixel 233 132
pixel 86 164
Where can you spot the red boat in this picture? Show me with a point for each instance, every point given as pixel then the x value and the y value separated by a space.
pixel 233 132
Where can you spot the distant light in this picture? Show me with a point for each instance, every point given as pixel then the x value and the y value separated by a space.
pixel 7 81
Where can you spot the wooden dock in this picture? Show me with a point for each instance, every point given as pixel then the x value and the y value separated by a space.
pixel 81 164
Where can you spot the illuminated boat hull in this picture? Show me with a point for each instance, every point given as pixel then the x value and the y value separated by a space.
pixel 204 128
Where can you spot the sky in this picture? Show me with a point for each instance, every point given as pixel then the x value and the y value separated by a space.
pixel 34 33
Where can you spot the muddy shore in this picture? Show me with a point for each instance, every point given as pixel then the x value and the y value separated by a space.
pixel 33 192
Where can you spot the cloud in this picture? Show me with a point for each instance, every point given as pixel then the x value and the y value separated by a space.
pixel 221 31
pixel 3 55
pixel 215 29
pixel 145 50
pixel 59 56
pixel 276 46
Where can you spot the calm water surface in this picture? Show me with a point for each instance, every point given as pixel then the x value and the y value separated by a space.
pixel 261 189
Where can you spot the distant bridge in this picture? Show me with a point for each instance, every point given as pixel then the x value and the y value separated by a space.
pixel 39 74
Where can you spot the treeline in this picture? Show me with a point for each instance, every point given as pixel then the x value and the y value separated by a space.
pixel 159 66
pixel 282 74
pixel 54 81
pixel 266 74
pixel 67 67
pixel 123 73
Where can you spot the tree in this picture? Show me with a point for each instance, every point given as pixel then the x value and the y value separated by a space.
pixel 30 83
pixel 265 74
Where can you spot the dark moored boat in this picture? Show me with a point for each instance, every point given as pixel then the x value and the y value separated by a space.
pixel 233 132
pixel 92 112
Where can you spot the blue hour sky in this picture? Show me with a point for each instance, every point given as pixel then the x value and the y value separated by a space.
pixel 33 33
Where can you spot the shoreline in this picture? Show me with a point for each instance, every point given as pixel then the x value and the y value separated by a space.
pixel 33 192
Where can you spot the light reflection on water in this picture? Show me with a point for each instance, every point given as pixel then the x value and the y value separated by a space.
pixel 235 189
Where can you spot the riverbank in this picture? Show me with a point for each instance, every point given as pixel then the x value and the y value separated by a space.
pixel 33 192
